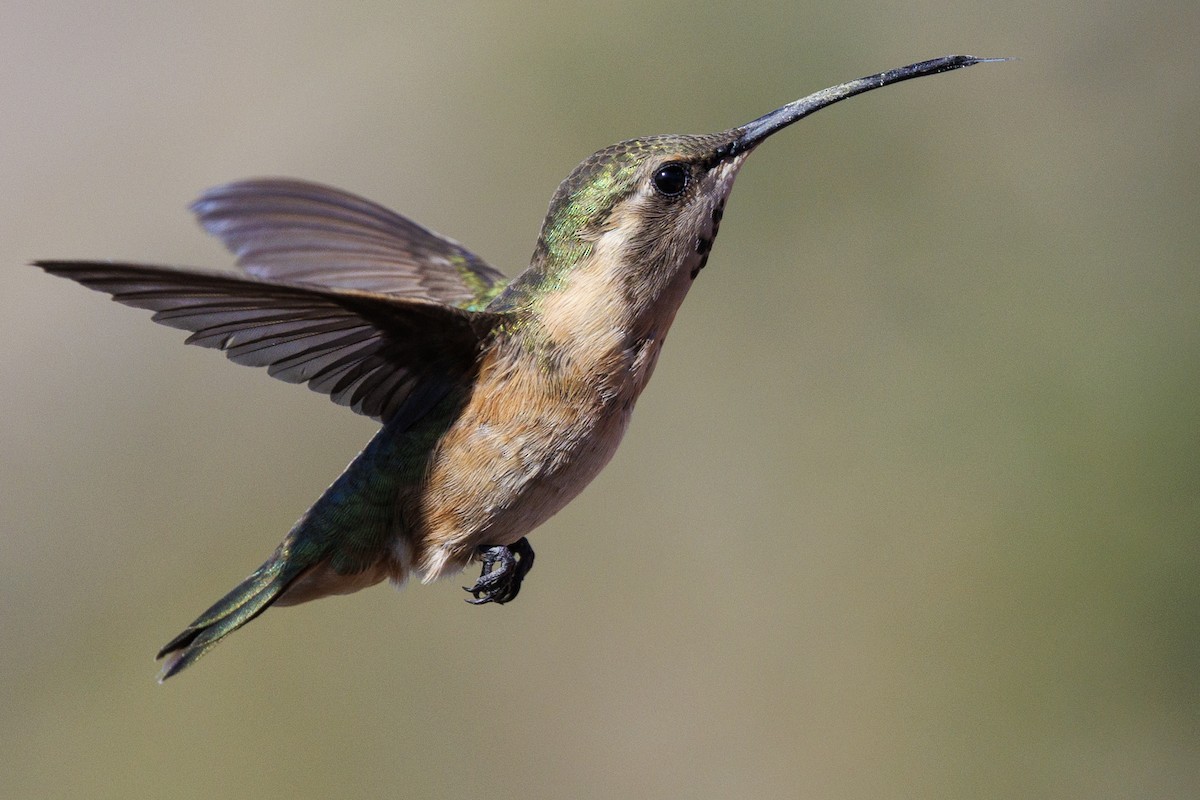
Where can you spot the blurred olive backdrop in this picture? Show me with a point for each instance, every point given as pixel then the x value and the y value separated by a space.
pixel 909 510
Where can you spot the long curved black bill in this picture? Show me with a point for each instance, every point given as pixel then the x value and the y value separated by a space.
pixel 752 133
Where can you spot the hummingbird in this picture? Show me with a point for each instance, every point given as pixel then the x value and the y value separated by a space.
pixel 499 401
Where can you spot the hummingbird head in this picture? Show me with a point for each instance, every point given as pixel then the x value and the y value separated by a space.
pixel 632 224
pixel 631 227
pixel 653 204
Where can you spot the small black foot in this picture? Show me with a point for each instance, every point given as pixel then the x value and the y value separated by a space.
pixel 502 584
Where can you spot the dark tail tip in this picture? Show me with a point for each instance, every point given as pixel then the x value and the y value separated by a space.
pixel 247 600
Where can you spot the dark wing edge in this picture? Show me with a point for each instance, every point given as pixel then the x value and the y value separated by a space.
pixel 367 351
pixel 295 231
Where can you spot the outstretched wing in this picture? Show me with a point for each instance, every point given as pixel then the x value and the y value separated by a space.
pixel 295 231
pixel 374 353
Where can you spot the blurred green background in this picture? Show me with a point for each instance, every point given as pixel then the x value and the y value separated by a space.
pixel 911 508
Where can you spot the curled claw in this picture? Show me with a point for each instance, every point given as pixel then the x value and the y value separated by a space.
pixel 504 568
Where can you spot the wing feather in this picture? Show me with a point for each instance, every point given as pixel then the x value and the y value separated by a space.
pixel 372 352
pixel 300 232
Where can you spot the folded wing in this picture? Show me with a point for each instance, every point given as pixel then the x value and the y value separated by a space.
pixel 375 353
pixel 295 231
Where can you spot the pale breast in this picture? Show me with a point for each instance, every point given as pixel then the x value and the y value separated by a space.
pixel 547 412
pixel 528 441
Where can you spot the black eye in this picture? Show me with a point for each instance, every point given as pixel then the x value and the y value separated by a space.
pixel 671 179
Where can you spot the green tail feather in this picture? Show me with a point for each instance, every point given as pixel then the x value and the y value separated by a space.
pixel 248 599
pixel 347 530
